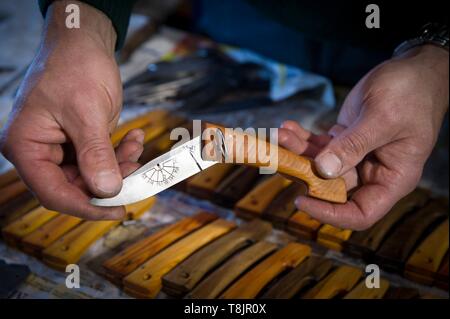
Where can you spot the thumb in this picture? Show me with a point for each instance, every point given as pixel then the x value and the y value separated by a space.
pixel 349 147
pixel 97 161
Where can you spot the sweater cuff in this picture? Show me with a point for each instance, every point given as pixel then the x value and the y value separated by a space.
pixel 118 11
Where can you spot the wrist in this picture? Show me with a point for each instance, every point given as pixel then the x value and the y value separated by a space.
pixel 94 26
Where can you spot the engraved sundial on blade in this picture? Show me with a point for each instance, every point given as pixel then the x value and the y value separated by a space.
pixel 162 173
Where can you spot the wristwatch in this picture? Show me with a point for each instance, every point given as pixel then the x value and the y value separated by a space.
pixel 431 33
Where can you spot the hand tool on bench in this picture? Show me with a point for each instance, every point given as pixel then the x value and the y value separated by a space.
pixel 186 160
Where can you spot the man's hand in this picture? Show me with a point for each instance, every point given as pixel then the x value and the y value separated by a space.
pixel 385 132
pixel 58 135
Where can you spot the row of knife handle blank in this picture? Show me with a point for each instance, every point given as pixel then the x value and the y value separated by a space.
pixel 61 239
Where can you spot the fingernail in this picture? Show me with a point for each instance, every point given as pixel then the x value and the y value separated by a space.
pixel 135 156
pixel 140 138
pixel 329 164
pixel 107 182
pixel 297 202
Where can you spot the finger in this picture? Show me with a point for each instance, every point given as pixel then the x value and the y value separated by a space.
pixel 48 182
pixel 367 205
pixel 304 134
pixel 292 142
pixel 130 147
pixel 296 129
pixel 96 160
pixel 349 148
pixel 336 130
pixel 136 134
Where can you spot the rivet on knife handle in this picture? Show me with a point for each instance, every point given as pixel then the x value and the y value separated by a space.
pixel 242 146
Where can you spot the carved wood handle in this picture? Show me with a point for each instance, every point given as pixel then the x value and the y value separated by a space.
pixel 237 146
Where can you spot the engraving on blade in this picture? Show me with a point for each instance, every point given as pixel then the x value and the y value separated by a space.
pixel 159 174
pixel 163 173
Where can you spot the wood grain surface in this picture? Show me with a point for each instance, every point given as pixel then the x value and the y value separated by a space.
pixel 135 255
pixel 394 252
pixel 283 206
pixel 18 229
pixel 186 275
pixel 365 243
pixel 250 284
pixel 203 184
pixel 145 282
pixel 338 283
pixel 304 226
pixel 426 259
pixel 214 284
pixel 301 277
pixel 235 186
pixel 248 149
pixel 70 247
pixel 48 233
pixel 259 198
pixel 362 292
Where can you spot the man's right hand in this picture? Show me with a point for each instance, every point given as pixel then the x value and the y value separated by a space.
pixel 68 104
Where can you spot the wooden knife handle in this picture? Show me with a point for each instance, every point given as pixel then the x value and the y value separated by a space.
pixel 249 285
pixel 18 229
pixel 186 275
pixel 242 146
pixel 135 255
pixel 339 282
pixel 145 282
pixel 12 190
pixel 222 277
pixel 424 262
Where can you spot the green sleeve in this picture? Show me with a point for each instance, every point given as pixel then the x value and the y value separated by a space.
pixel 118 11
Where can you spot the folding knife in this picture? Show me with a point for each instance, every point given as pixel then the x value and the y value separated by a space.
pixel 188 159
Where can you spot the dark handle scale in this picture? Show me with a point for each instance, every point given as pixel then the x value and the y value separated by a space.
pixel 283 206
pixel 301 225
pixel 441 277
pixel 363 244
pixel 397 247
pixel 219 280
pixel 301 277
pixel 186 275
pixel 17 207
pixel 235 186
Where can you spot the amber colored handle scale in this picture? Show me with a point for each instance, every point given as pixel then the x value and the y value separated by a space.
pixel 240 145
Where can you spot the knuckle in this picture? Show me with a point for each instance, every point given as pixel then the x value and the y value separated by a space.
pixel 355 143
pixel 94 150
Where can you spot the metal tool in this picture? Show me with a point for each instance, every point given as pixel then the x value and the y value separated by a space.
pixel 220 145
pixel 159 174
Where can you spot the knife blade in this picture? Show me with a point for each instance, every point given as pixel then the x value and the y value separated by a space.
pixel 159 174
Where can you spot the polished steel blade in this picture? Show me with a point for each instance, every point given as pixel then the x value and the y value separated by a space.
pixel 159 174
